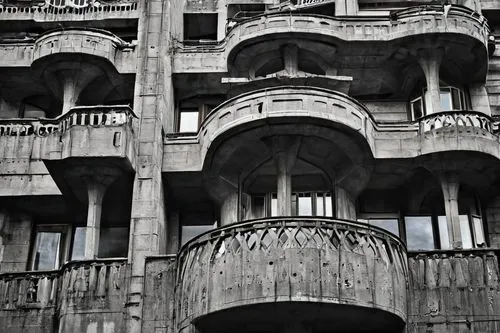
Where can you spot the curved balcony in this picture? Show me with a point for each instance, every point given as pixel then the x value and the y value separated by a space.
pixel 286 104
pixel 324 272
pixel 92 42
pixel 406 23
pixel 457 130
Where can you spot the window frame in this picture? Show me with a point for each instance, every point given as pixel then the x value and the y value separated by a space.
pixel 460 94
pixel 362 217
pixel 65 243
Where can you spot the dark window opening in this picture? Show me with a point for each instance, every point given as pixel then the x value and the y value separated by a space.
pixel 199 27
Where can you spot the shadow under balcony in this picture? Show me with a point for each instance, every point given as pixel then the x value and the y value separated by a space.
pixel 311 273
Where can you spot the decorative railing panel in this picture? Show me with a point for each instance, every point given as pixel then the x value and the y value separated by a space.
pixel 74 9
pixel 446 119
pixel 95 116
pixel 453 291
pixel 78 284
pixel 29 290
pixel 291 260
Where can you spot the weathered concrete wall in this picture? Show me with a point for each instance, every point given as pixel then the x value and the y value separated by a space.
pixel 454 292
pixel 493 218
pixel 388 111
pixel 15 236
pixel 159 298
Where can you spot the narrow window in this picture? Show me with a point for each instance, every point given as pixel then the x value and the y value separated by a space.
pixel 188 120
pixel 419 233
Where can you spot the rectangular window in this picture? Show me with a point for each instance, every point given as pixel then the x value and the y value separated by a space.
pixel 465 232
pixel 445 99
pixel 417 108
pixel 78 250
pixel 189 121
pixel 199 27
pixel 478 231
pixel 444 236
pixel 305 207
pixel 113 242
pixel 419 233
pixel 50 248
pixel 391 225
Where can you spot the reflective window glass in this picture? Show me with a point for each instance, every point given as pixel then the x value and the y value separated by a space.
pixel 188 121
pixel 47 250
pixel 444 236
pixel 305 204
pixel 78 251
pixel 478 231
pixel 189 232
pixel 419 233
pixel 465 232
pixel 445 98
pixel 391 225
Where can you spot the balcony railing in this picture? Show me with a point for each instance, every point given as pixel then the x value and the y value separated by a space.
pixel 448 119
pixel 301 259
pixel 95 116
pixel 79 10
pixel 454 290
pixel 68 286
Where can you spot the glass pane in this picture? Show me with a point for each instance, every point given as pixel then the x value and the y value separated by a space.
pixel 113 242
pixel 294 204
pixel 478 230
pixel 446 101
pixel 417 108
pixel 188 121
pixel 47 250
pixel 390 225
pixel 274 205
pixel 444 236
pixel 188 232
pixel 328 205
pixel 78 252
pixel 455 94
pixel 320 205
pixel 466 232
pixel 305 205
pixel 419 233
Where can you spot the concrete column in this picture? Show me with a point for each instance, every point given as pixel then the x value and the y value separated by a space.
pixel 229 209
pixel 345 207
pixel 95 193
pixel 285 149
pixel 430 61
pixel 450 186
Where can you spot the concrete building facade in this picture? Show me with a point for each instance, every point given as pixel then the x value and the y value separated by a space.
pixel 304 166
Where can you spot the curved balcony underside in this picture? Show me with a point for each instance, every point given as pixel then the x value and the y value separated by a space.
pixel 296 269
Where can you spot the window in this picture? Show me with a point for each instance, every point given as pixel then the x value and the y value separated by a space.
pixel 305 204
pixel 192 111
pixel 200 27
pixel 451 99
pixel 387 223
pixel 419 233
pixel 188 120
pixel 113 242
pixel 52 246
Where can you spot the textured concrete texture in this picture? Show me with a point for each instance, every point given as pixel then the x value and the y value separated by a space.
pixel 287 131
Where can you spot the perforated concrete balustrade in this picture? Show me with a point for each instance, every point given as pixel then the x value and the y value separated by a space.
pixel 77 284
pixel 316 260
pixel 45 11
pixel 453 291
pixel 96 116
pixel 443 120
